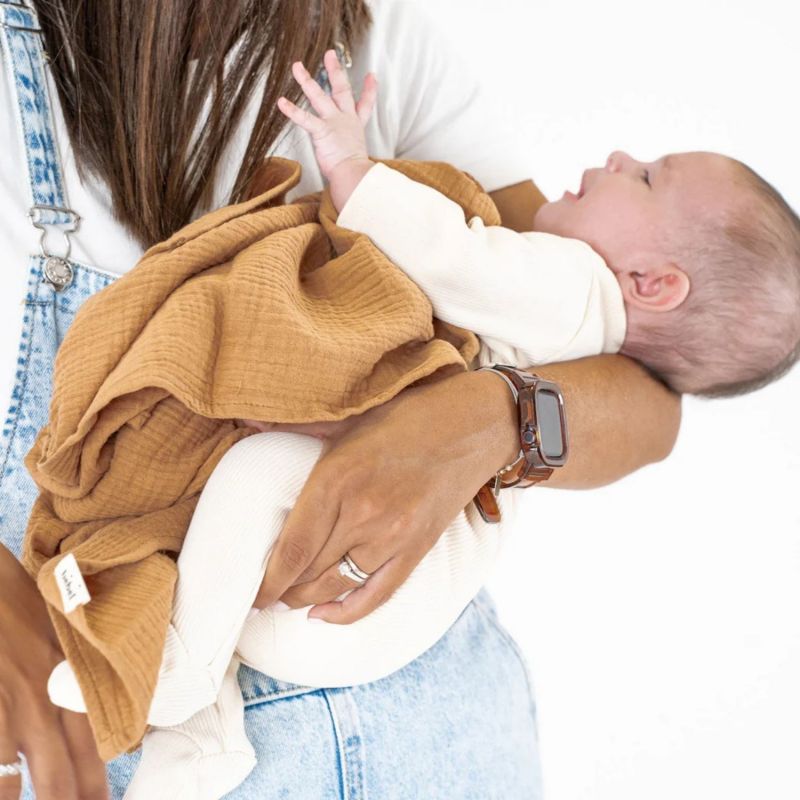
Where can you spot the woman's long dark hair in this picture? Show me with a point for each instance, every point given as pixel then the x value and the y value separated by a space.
pixel 135 76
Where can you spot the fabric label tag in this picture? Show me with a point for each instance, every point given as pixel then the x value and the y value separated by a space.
pixel 71 584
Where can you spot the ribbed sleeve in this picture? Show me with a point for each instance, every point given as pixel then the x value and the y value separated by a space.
pixel 548 297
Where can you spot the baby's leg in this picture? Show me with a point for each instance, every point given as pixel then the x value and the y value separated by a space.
pixel 240 513
pixel 200 740
pixel 243 509
pixel 203 758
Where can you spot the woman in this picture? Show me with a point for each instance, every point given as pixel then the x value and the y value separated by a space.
pixel 143 153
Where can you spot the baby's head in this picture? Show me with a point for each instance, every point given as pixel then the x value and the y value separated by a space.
pixel 707 255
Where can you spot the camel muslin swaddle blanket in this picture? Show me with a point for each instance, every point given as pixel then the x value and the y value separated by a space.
pixel 260 310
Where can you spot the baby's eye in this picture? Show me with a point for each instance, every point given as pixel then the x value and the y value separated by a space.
pixel 646 177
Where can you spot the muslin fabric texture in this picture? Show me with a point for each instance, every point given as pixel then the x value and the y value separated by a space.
pixel 260 310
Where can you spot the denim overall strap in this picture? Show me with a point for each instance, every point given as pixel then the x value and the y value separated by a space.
pixel 56 285
pixel 19 27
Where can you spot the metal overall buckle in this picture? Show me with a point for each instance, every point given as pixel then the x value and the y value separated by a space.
pixel 57 269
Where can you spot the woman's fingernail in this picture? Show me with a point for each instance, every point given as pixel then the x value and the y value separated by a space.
pixel 315 620
pixel 279 606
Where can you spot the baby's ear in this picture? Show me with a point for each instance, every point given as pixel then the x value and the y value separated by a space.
pixel 657 289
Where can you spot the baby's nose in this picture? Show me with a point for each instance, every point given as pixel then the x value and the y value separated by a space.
pixel 617 161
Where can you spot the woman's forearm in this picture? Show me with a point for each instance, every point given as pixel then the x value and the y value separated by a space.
pixel 619 419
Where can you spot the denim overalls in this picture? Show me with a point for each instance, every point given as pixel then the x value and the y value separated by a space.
pixel 458 722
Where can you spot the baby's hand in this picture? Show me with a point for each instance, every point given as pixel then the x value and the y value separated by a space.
pixel 338 131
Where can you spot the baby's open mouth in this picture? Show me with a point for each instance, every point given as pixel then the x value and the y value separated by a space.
pixel 581 190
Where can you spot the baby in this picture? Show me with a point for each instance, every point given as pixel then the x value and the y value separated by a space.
pixel 691 264
pixel 705 253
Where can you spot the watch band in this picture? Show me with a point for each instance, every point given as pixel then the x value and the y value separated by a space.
pixel 529 468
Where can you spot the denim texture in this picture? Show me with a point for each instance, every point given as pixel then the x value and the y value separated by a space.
pixel 458 722
pixel 24 57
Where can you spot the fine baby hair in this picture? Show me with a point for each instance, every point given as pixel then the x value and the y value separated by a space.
pixel 739 327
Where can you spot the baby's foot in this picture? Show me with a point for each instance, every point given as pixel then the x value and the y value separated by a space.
pixel 64 689
pixel 203 758
pixel 183 688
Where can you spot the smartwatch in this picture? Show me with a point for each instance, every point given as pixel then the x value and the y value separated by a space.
pixel 544 442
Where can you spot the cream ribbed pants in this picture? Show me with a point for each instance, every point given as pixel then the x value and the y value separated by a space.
pixel 197 749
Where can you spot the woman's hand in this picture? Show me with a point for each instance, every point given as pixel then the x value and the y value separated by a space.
pixel 384 490
pixel 57 743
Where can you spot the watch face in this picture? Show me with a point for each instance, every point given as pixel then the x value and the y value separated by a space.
pixel 548 419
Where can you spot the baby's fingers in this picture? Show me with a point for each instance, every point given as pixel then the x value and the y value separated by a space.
pixel 320 101
pixel 308 122
pixel 340 85
pixel 367 100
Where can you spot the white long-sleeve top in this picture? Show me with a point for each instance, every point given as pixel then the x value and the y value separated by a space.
pixel 532 298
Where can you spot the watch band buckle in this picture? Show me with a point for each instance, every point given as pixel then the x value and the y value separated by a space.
pixel 487 505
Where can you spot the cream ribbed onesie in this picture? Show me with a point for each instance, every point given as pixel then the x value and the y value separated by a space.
pixel 531 298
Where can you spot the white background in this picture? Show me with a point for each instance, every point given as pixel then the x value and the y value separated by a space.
pixel 660 615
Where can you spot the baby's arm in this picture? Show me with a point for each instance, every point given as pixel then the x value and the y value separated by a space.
pixel 546 297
